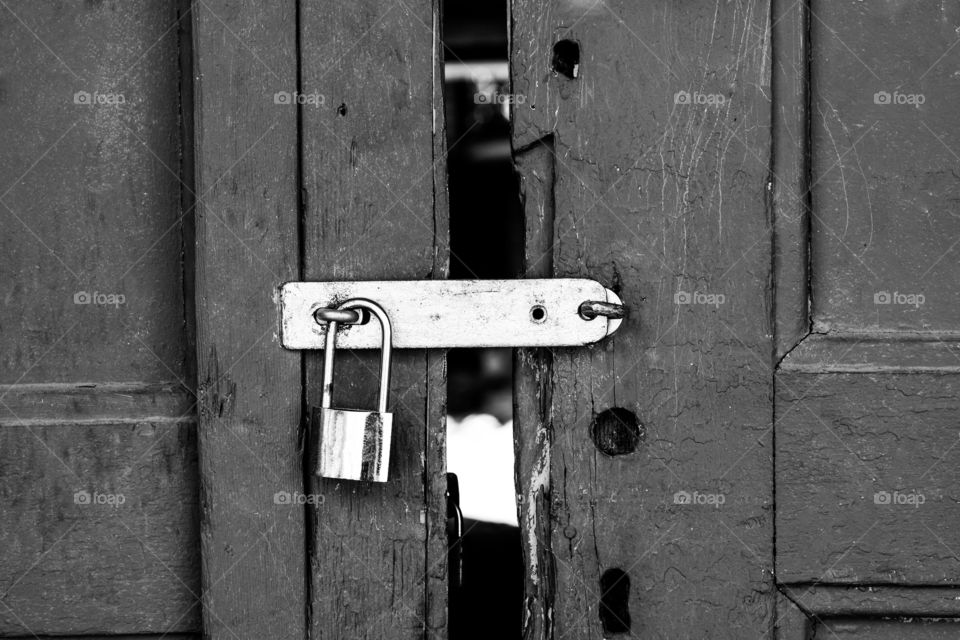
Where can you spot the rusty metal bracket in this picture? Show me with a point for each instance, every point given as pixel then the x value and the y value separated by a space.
pixel 440 314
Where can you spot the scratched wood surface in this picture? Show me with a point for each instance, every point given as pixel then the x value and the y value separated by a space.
pixel 866 489
pixel 254 579
pixel 885 139
pixel 660 163
pixel 866 406
pixel 96 396
pixel 920 629
pixel 374 198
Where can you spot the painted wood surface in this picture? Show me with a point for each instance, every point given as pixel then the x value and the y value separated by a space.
pixel 827 601
pixel 98 470
pixel 374 208
pixel 885 139
pixel 790 171
pixel 89 193
pixel 808 611
pixel 99 530
pixel 253 524
pixel 866 406
pixel 866 485
pixel 660 131
pixel 918 629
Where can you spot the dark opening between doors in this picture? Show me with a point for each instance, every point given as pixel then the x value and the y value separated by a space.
pixel 486 242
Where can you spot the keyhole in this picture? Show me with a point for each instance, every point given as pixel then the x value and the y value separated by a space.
pixel 538 314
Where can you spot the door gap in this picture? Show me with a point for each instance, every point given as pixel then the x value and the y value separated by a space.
pixel 486 242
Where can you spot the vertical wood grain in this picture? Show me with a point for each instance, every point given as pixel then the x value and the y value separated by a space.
pixel 654 198
pixel 375 208
pixel 249 387
pixel 532 398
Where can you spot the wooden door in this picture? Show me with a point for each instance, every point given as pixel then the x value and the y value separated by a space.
pixel 766 448
pixel 866 407
pixel 98 457
pixel 320 157
pixel 167 166
pixel 767 445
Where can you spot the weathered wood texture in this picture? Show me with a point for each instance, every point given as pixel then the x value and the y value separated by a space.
pixel 89 192
pixel 917 629
pixel 791 623
pixel 885 134
pixel 250 397
pixel 665 201
pixel 99 529
pixel 790 172
pixel 866 414
pixel 866 612
pixel 875 353
pixel 533 433
pixel 375 208
pixel 95 361
pixel 162 636
pixel 875 602
pixel 866 480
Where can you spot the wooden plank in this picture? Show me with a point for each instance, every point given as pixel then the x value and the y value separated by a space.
pixel 875 353
pixel 866 479
pixel 884 127
pixel 95 392
pixel 532 400
pixel 665 202
pixel 790 172
pixel 249 387
pixel 89 193
pixel 885 601
pixel 871 612
pixel 99 529
pixel 374 193
pixel 92 403
pixel 442 314
pixel 921 629
pixel 792 622
pixel 165 636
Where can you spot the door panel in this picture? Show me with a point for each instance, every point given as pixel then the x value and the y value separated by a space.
pixel 663 200
pixel 866 404
pixel 254 578
pixel 884 137
pixel 98 467
pixel 865 457
pixel 867 612
pixel 890 629
pixel 374 199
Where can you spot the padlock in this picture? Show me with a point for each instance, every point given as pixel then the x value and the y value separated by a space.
pixel 353 444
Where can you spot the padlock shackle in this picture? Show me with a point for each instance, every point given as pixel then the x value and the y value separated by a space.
pixel 385 352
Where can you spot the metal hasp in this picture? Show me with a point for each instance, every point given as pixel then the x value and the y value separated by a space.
pixel 441 314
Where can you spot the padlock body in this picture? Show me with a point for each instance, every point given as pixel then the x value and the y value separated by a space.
pixel 352 445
